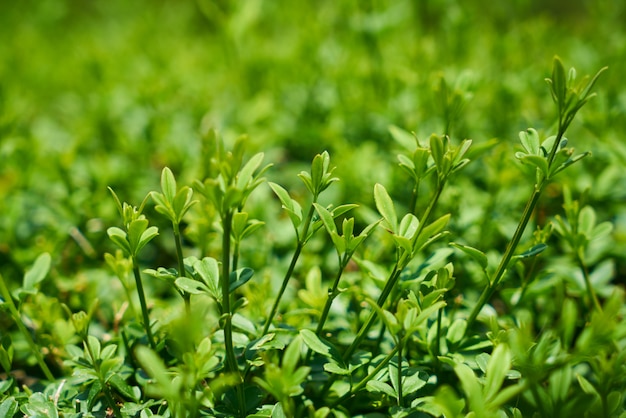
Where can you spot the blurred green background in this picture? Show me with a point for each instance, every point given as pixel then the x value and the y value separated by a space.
pixel 106 93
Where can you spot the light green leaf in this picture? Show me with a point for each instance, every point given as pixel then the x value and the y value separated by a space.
pixel 474 253
pixel 119 238
pixel 320 346
pixel 385 207
pixel 404 138
pixel 168 184
pixel 471 388
pixel 530 141
pixel 377 386
pixel 497 368
pixel 37 272
pixel 192 286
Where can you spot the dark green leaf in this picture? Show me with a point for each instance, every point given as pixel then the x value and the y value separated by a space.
pixel 240 277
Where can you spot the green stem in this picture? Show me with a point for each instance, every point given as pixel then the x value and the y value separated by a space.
pixel 283 287
pixel 369 377
pixel 142 302
pixel 399 383
pixel 301 242
pixel 332 294
pixel 231 359
pixel 517 236
pixel 438 340
pixel 8 300
pixel 394 276
pixel 591 294
pixel 182 272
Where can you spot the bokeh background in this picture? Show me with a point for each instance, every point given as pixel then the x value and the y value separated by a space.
pixel 106 93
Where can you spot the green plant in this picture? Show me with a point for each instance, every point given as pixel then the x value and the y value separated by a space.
pixel 379 315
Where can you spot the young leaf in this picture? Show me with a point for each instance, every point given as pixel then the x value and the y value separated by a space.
pixel 477 255
pixel 37 272
pixel 385 207
pixel 497 368
pixel 321 346
pixel 168 184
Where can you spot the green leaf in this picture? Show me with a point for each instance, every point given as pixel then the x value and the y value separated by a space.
pixel 535 250
pixel 37 273
pixel 193 286
pixel 326 217
pixel 385 207
pixel 146 237
pixel 168 184
pixel 119 238
pixel 404 138
pixel 537 161
pixel 293 208
pixel 497 368
pixel 207 270
pixel 155 368
pixel 8 407
pixel 471 388
pixel 437 150
pixel 240 277
pixel 377 386
pixel 6 353
pixel 245 176
pixel 430 231
pixel 182 202
pixel 586 386
pixel 559 86
pixel 408 226
pixel 530 141
pixel 291 356
pixel 321 346
pixel 456 331
pixel 474 253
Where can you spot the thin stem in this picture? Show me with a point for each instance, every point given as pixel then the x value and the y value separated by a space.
pixel 301 242
pixel 8 300
pixel 231 359
pixel 438 340
pixel 517 236
pixel 394 276
pixel 369 377
pixel 142 302
pixel 506 258
pixel 332 294
pixel 399 383
pixel 181 265
pixel 283 287
pixel 591 294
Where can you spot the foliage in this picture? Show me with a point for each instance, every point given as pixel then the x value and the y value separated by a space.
pixel 465 278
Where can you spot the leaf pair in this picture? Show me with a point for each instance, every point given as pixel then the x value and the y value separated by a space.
pixel 544 157
pixel 568 94
pixel 205 279
pixel 320 177
pixel 133 240
pixel 230 192
pixel 407 235
pixel 172 202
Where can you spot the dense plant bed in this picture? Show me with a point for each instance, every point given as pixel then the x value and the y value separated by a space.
pixel 237 296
